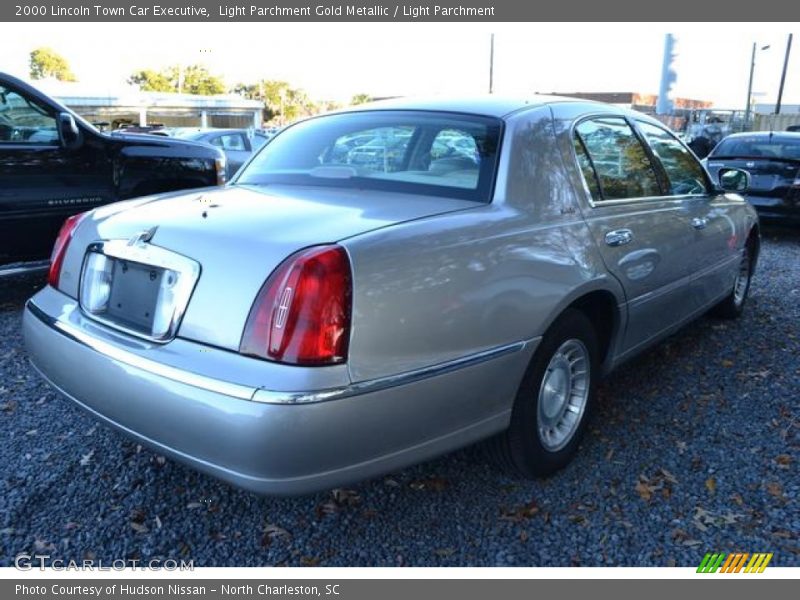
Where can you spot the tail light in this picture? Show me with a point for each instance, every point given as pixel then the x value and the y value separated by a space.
pixel 60 248
pixel 302 313
pixel 220 166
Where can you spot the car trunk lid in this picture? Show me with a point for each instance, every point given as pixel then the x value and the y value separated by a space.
pixel 240 234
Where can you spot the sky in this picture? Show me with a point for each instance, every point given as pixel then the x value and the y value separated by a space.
pixel 336 61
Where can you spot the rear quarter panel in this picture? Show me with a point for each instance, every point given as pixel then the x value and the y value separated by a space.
pixel 449 286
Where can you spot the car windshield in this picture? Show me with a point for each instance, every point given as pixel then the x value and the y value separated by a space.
pixel 758 147
pixel 431 153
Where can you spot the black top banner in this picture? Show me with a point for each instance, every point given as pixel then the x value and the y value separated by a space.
pixel 372 11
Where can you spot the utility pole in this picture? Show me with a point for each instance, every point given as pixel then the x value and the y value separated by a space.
pixel 491 65
pixel 783 74
pixel 750 88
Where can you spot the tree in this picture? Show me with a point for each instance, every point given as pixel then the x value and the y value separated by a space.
pixel 279 98
pixel 45 62
pixel 148 80
pixel 360 99
pixel 194 79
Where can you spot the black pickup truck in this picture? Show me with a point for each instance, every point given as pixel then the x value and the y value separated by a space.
pixel 54 164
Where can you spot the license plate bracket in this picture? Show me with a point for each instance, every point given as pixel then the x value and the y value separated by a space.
pixel 134 294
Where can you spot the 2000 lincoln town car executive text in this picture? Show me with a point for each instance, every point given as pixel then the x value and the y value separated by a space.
pixel 383 285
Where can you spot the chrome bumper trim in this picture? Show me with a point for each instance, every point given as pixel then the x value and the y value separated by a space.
pixel 260 394
pixel 199 381
pixel 382 383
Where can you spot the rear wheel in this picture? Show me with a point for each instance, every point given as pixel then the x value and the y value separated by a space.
pixel 554 400
pixel 733 305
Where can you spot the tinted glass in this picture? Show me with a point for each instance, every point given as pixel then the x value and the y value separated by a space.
pixel 25 122
pixel 404 151
pixel 757 147
pixel 231 141
pixel 587 169
pixel 623 168
pixel 683 170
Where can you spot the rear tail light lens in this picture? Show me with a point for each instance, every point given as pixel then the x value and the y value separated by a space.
pixel 220 166
pixel 60 247
pixel 302 313
pixel 95 289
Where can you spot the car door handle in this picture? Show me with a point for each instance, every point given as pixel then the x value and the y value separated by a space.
pixel 699 223
pixel 619 237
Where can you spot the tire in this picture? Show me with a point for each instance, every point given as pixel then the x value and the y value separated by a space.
pixel 543 437
pixel 732 306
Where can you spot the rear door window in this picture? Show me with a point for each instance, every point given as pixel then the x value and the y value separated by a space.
pixel 684 172
pixel 620 164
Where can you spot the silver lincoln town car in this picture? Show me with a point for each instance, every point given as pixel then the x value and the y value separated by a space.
pixel 380 286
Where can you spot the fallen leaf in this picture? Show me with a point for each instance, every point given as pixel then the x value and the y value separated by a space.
pixel 711 485
pixel 521 513
pixel 44 546
pixel 345 497
pixel 310 561
pixel 775 489
pixel 272 532
pixel 669 476
pixel 86 459
pixel 727 363
pixel 437 484
pixel 139 527
pixel 783 460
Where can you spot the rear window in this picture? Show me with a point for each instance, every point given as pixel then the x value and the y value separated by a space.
pixel 757 147
pixel 417 152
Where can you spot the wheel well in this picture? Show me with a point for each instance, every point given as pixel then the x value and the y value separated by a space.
pixel 601 309
pixel 754 240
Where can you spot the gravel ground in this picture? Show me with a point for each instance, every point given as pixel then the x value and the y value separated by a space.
pixel 694 449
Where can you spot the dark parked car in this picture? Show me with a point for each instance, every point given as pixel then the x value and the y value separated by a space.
pixel 237 144
pixel 773 161
pixel 54 164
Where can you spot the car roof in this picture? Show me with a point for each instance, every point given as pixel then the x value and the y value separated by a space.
pixel 774 136
pixel 489 105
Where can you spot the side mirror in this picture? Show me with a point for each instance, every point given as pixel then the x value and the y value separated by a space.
pixel 733 180
pixel 68 131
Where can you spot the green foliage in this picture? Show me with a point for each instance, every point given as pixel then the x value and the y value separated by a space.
pixel 194 79
pixel 280 100
pixel 45 62
pixel 148 80
pixel 360 99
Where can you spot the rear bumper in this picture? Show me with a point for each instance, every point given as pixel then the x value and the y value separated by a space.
pixel 273 447
pixel 774 207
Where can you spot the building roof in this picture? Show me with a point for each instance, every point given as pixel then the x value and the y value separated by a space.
pixel 77 94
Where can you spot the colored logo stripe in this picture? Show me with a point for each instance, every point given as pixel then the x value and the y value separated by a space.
pixel 733 563
pixel 758 563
